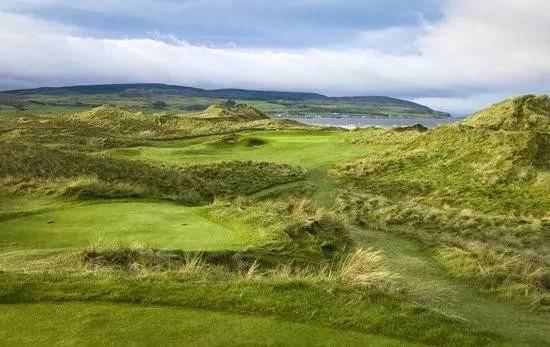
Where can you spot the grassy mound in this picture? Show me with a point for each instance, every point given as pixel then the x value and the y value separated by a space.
pixel 303 234
pixel 114 126
pixel 451 156
pixel 232 140
pixel 473 189
pixel 529 112
pixel 239 112
pixel 32 169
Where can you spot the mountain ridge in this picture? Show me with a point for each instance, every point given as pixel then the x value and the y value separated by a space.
pixel 291 103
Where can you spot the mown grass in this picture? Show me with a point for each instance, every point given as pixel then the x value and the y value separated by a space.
pixel 152 223
pixel 302 302
pixel 139 325
pixel 317 151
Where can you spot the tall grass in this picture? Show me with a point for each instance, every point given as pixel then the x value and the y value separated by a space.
pixel 31 169
pixel 360 267
pixel 365 267
pixel 112 127
pixel 512 273
pixel 529 112
pixel 458 186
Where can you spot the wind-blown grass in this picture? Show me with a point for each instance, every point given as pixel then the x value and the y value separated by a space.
pixel 458 186
pixel 529 112
pixel 28 169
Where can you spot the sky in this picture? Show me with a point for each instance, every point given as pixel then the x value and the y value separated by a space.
pixel 452 55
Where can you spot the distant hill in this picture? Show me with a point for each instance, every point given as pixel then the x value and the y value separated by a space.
pixel 154 96
pixel 528 112
pixel 165 89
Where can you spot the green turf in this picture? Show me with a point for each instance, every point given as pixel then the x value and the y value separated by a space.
pixel 114 325
pixel 314 150
pixel 155 224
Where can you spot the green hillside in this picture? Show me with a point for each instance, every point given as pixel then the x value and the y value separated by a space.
pixel 478 194
pixel 150 97
pixel 529 112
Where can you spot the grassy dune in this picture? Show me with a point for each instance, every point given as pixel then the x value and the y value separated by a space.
pixel 529 112
pixel 475 193
pixel 336 237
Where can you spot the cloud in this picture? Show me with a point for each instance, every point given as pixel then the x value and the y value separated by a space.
pixel 478 51
pixel 283 23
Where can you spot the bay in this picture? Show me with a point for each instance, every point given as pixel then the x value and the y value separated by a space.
pixel 376 122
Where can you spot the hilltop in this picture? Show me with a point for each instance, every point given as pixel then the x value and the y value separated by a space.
pixel 528 112
pixel 239 112
pixel 151 97
pixel 165 89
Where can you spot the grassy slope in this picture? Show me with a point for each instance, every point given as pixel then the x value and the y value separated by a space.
pixel 522 113
pixel 473 193
pixel 316 151
pixel 430 283
pixel 424 274
pixel 299 301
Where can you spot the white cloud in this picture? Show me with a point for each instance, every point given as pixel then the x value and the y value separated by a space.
pixel 489 48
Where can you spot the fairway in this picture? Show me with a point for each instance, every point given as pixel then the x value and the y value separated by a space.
pixel 155 224
pixel 317 151
pixel 94 324
pixel 313 150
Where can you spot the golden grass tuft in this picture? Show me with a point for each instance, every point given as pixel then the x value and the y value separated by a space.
pixel 365 267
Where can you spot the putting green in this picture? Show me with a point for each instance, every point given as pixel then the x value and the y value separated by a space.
pixel 155 224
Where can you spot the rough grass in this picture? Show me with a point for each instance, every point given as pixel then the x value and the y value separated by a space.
pixel 529 112
pixel 365 267
pixel 511 271
pixel 459 186
pixel 320 303
pixel 33 169
pixel 239 112
pixel 112 127
pixel 382 136
pixel 474 195
pixel 304 234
